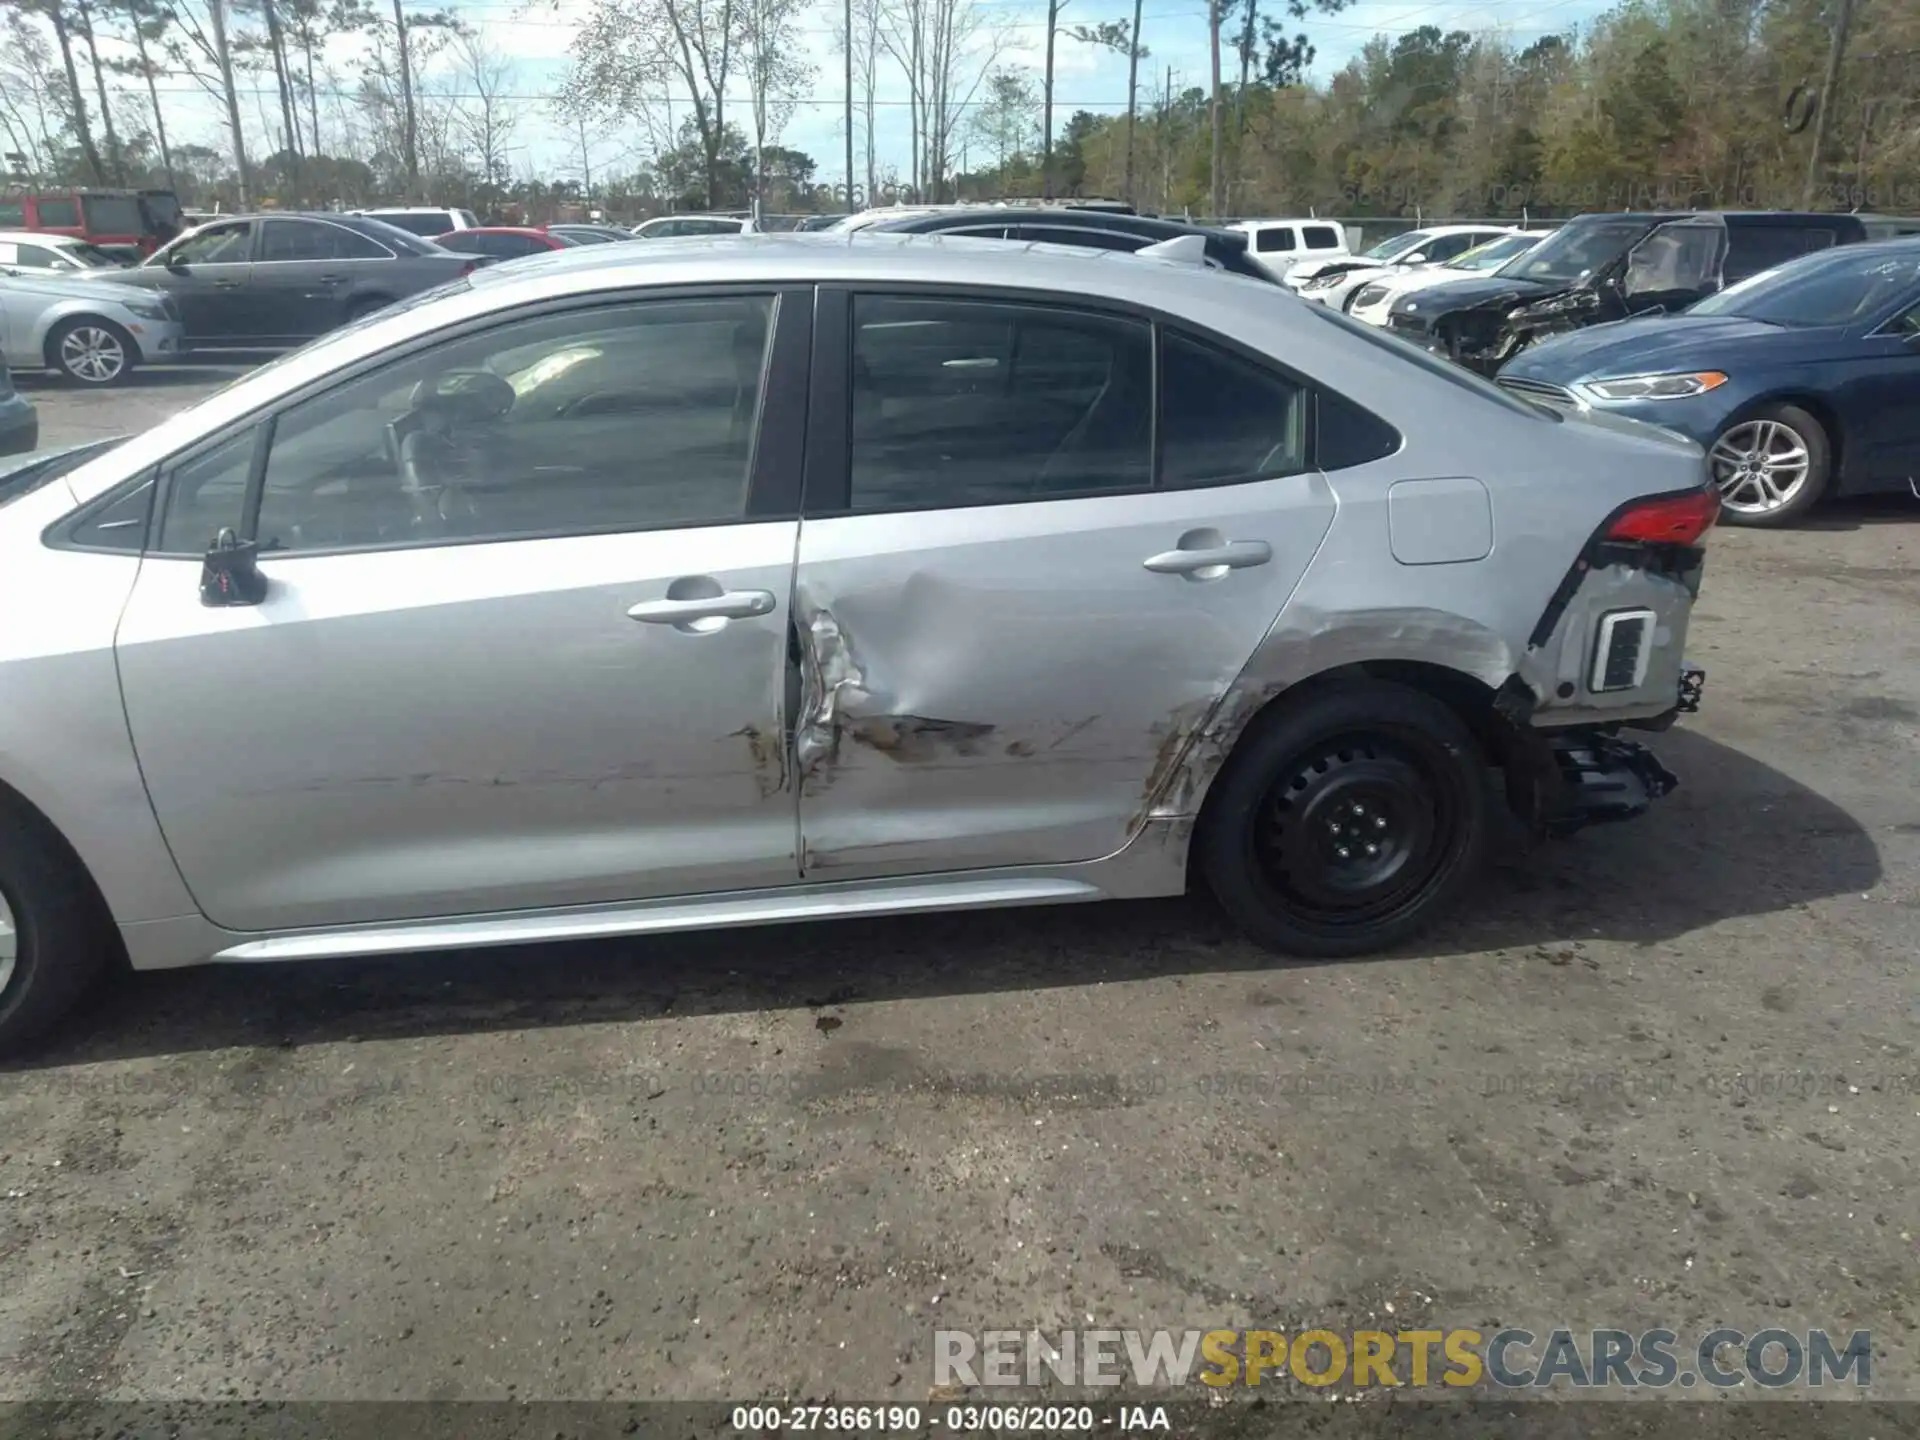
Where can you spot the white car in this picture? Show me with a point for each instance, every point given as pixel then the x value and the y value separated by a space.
pixel 37 252
pixel 679 227
pixel 1279 247
pixel 93 332
pixel 1334 282
pixel 1374 299
pixel 426 221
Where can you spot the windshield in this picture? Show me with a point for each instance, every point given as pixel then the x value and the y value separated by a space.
pixel 1831 288
pixel 1432 364
pixel 1576 253
pixel 1396 245
pixel 1495 253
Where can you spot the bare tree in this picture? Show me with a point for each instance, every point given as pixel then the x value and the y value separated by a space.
pixel 486 117
pixel 203 49
pixel 146 23
pixel 944 48
pixel 633 58
pixel 29 108
pixel 83 27
pixel 771 56
pixel 1119 35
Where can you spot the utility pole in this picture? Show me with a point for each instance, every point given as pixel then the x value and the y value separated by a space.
pixel 586 166
pixel 1213 176
pixel 850 203
pixel 1842 22
pixel 1046 106
pixel 1133 82
pixel 223 54
pixel 406 92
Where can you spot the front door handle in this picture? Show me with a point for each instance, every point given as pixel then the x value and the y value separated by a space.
pixel 727 605
pixel 227 284
pixel 1209 561
pixel 332 279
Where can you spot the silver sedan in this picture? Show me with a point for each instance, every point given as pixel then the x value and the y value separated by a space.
pixel 94 332
pixel 637 589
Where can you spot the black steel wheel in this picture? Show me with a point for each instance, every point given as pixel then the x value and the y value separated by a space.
pixel 1347 821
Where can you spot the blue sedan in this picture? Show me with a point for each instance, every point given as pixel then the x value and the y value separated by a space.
pixel 1800 383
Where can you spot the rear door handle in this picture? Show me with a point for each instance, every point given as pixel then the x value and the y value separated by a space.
pixel 332 279
pixel 728 605
pixel 1233 555
pixel 227 284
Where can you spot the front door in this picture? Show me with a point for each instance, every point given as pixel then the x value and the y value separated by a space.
pixel 1011 614
pixel 1886 398
pixel 208 273
pixel 524 642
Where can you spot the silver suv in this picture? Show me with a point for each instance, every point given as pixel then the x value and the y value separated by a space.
pixel 631 589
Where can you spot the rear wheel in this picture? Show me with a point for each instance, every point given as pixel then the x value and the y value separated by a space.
pixel 91 351
pixel 1348 823
pixel 1771 466
pixel 55 937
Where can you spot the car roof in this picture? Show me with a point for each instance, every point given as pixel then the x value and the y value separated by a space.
pixel 500 230
pixel 1071 216
pixel 40 237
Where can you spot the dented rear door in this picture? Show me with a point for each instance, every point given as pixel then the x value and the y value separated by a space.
pixel 1009 614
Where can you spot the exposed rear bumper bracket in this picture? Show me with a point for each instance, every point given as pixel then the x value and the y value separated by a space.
pixel 1603 779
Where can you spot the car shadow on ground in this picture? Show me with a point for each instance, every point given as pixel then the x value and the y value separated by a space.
pixel 1708 853
pixel 1857 512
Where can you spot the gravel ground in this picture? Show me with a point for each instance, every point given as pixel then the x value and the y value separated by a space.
pixel 1664 1075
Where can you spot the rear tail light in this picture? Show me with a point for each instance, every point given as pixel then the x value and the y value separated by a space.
pixel 1670 520
pixel 469 267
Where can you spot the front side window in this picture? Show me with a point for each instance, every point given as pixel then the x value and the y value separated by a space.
pixel 216 245
pixel 1676 258
pixel 1577 252
pixel 1448 246
pixel 964 402
pixel 1277 237
pixel 208 494
pixel 1224 419
pixel 416 222
pixel 59 215
pixel 13 214
pixel 630 417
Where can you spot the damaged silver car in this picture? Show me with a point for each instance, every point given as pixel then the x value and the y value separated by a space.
pixel 714 584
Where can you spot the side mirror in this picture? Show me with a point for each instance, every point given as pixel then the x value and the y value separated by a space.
pixel 230 573
pixel 173 262
pixel 1418 257
pixel 1911 339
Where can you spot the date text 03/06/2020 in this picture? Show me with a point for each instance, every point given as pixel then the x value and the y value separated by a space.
pixel 958 1419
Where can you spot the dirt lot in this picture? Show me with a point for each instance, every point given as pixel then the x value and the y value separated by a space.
pixel 1660 1076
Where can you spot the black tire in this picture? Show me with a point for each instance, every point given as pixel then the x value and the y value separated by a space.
pixel 80 350
pixel 1381 763
pixel 1740 501
pixel 62 936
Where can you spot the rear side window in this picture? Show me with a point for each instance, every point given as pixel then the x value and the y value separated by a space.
pixel 59 215
pixel 964 402
pixel 1751 249
pixel 419 222
pixel 13 213
pixel 1274 237
pixel 1321 237
pixel 114 215
pixel 1224 419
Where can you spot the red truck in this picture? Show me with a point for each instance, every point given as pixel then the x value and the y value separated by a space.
pixel 132 223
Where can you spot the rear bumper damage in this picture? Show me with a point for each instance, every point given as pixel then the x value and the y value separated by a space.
pixel 1561 781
